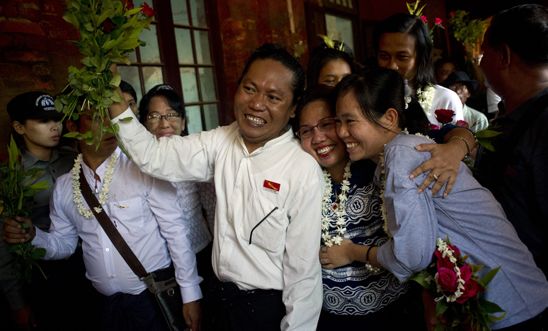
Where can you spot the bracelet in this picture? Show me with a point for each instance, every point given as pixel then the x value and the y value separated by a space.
pixel 468 150
pixel 367 253
pixel 368 266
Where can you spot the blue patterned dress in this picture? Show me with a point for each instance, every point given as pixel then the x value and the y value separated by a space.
pixel 351 289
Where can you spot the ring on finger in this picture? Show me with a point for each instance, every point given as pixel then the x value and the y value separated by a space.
pixel 436 177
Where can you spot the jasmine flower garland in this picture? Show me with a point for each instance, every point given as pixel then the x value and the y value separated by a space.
pixel 426 97
pixel 339 208
pixel 77 192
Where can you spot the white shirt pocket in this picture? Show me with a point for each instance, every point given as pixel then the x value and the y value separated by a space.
pixel 265 226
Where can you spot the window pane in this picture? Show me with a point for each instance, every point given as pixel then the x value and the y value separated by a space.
pixel 184 46
pixel 152 76
pixel 211 117
pixel 207 84
pixel 151 52
pixel 132 57
pixel 194 119
pixel 198 13
pixel 339 28
pixel 190 90
pixel 131 75
pixel 203 56
pixel 180 13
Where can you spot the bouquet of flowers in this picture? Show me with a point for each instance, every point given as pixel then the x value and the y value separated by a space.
pixel 109 31
pixel 457 291
pixel 17 189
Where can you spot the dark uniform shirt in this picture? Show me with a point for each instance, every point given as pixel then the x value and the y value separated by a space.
pixel 517 172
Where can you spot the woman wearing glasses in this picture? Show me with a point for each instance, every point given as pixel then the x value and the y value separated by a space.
pixel 162 112
pixel 356 295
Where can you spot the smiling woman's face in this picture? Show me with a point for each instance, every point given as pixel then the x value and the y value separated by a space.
pixel 163 126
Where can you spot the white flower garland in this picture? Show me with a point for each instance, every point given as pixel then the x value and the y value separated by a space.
pixel 76 190
pixel 446 251
pixel 339 208
pixel 426 97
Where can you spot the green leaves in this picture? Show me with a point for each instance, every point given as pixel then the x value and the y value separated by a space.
pixel 17 189
pixel 485 138
pixel 108 34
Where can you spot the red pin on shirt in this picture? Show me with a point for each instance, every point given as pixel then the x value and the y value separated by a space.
pixel 271 185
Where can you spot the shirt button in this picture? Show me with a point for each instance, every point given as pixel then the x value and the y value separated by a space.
pixel 107 249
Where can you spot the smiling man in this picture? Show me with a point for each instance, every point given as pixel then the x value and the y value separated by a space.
pixel 267 223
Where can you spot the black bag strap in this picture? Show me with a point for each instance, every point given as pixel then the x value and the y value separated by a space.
pixel 110 229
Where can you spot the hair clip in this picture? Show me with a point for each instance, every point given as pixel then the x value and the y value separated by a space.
pixel 332 43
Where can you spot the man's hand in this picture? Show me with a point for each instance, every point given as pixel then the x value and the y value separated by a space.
pixel 118 107
pixel 442 167
pixel 193 315
pixel 18 230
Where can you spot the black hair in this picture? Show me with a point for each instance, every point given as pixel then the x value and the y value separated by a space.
pixel 127 88
pixel 376 92
pixel 323 54
pixel 524 28
pixel 278 53
pixel 319 92
pixel 173 99
pixel 414 26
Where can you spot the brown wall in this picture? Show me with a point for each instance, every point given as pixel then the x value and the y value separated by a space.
pixel 34 51
pixel 242 32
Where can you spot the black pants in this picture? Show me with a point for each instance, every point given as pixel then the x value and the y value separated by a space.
pixel 128 312
pixel 232 309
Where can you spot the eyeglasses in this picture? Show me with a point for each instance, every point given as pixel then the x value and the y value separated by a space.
pixel 170 117
pixel 324 125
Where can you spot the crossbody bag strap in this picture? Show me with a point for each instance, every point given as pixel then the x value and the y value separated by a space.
pixel 110 229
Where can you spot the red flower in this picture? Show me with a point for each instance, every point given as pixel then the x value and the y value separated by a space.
pixel 444 116
pixel 147 10
pixel 128 4
pixel 471 289
pixel 438 21
pixel 424 19
pixel 465 272
pixel 433 126
pixel 108 25
pixel 447 279
pixel 462 123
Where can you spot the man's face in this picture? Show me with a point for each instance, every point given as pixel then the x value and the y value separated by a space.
pixel 263 102
pixel 397 51
pixel 103 143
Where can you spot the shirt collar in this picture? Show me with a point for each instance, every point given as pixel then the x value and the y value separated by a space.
pixel 281 139
pixel 29 160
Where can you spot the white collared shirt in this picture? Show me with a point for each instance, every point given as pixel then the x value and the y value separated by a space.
pixel 146 213
pixel 268 213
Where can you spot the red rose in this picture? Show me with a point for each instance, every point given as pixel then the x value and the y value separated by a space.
pixel 447 279
pixel 471 289
pixel 438 21
pixel 424 19
pixel 455 249
pixel 107 25
pixel 442 262
pixel 466 272
pixel 462 124
pixel 444 116
pixel 433 126
pixel 128 4
pixel 147 10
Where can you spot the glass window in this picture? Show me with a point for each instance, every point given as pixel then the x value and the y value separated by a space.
pixel 184 52
pixel 207 84
pixel 203 55
pixel 194 119
pixel 340 28
pixel 197 9
pixel 150 53
pixel 211 116
pixel 190 90
pixel 179 11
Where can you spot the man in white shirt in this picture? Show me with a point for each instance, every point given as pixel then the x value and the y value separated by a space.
pixel 268 212
pixel 146 213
